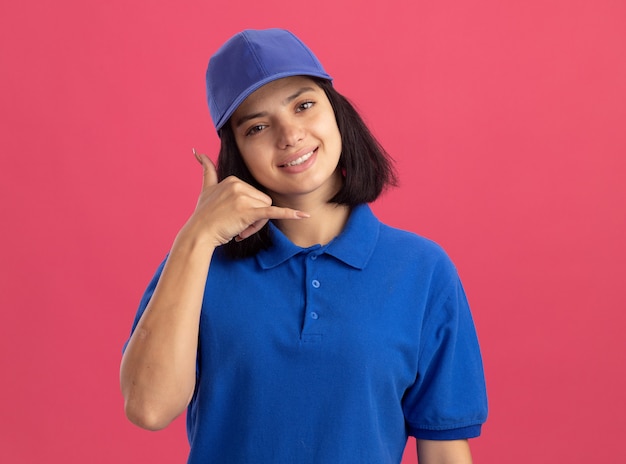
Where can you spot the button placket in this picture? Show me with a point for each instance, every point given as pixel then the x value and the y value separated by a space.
pixel 312 310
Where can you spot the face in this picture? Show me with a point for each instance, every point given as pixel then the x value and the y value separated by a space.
pixel 288 137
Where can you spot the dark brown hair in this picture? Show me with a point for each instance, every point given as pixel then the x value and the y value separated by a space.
pixel 367 166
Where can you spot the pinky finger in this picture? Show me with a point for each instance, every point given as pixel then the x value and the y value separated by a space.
pixel 251 230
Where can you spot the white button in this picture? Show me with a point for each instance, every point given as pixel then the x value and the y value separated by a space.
pixel 316 283
pixel 314 315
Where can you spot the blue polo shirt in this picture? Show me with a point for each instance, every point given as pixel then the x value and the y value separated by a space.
pixel 335 353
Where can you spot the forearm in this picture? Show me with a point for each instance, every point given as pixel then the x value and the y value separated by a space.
pixel 158 369
pixel 444 452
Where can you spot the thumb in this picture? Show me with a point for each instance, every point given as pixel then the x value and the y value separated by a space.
pixel 209 177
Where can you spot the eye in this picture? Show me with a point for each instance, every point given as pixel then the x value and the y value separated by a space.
pixel 255 129
pixel 304 106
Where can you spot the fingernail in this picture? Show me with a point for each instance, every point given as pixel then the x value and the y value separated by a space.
pixel 302 215
pixel 193 150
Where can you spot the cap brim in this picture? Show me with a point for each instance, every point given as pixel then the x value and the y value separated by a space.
pixel 257 85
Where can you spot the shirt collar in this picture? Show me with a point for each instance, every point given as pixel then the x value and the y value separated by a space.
pixel 353 246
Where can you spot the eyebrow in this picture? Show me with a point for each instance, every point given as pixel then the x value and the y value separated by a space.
pixel 261 114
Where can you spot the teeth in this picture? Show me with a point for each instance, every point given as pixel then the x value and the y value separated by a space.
pixel 300 160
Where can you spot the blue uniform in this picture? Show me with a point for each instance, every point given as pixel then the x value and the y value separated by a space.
pixel 334 353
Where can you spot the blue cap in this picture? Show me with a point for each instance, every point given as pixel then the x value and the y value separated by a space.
pixel 248 61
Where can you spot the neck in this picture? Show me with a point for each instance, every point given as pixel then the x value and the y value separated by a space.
pixel 327 219
pixel 326 222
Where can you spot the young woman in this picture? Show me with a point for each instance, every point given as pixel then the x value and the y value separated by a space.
pixel 292 325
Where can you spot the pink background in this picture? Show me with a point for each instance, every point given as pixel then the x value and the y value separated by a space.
pixel 507 121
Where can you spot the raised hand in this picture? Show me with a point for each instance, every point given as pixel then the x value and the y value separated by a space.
pixel 232 208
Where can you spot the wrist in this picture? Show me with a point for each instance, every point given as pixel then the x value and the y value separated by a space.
pixel 194 239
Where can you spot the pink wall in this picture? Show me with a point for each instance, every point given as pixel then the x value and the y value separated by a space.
pixel 507 121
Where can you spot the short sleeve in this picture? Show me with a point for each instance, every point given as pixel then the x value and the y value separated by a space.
pixel 145 299
pixel 448 400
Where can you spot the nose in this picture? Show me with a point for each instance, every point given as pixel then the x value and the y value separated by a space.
pixel 290 134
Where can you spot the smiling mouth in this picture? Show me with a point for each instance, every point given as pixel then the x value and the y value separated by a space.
pixel 300 160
